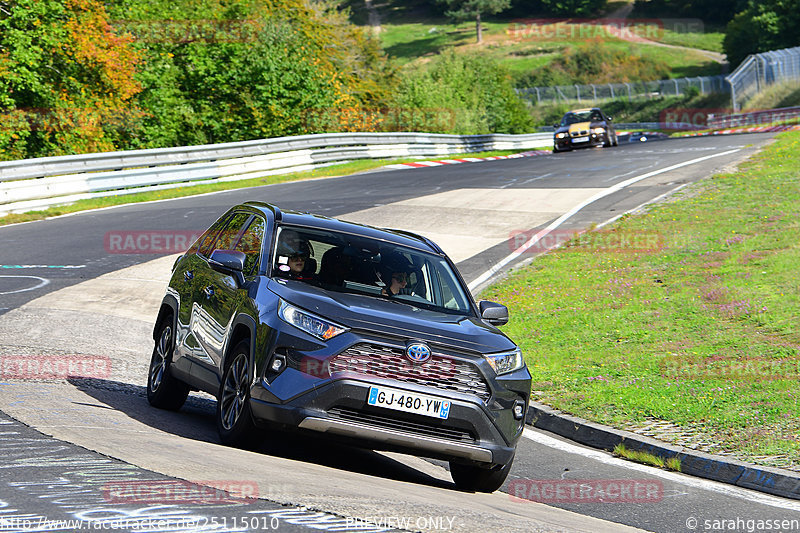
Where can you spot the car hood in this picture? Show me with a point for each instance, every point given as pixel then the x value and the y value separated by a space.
pixel 387 317
pixel 579 126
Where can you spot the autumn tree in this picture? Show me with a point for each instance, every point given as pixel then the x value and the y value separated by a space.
pixel 461 10
pixel 66 79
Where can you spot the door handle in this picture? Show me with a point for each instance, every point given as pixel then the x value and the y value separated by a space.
pixel 209 291
pixel 188 275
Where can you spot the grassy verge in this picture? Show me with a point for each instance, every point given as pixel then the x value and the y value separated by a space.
pixel 333 170
pixel 711 41
pixel 637 110
pixel 520 52
pixel 671 463
pixel 786 94
pixel 697 334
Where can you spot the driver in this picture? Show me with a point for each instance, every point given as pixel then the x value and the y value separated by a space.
pixel 398 270
pixel 293 257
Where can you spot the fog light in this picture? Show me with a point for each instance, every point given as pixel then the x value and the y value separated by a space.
pixel 519 409
pixel 278 362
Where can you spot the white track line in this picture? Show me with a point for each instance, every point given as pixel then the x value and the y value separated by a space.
pixel 563 218
pixel 683 479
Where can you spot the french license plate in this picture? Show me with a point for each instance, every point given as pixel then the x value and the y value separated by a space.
pixel 580 139
pixel 408 402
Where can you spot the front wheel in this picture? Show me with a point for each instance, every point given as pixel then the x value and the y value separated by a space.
pixel 473 478
pixel 234 418
pixel 163 390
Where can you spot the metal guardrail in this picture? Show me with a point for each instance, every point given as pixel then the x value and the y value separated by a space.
pixel 759 71
pixel 39 183
pixel 593 93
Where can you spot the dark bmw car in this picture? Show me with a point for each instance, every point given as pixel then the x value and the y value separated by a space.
pixel 299 321
pixel 583 128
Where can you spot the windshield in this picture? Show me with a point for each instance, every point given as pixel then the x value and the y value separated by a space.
pixel 356 264
pixel 581 116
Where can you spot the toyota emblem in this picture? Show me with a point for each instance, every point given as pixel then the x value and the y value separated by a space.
pixel 418 352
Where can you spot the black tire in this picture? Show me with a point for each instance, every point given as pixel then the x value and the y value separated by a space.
pixel 607 142
pixel 234 417
pixel 163 390
pixel 473 478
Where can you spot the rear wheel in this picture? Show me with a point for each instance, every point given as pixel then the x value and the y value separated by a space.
pixel 163 390
pixel 474 478
pixel 234 417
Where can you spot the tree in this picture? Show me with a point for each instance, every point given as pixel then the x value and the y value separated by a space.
pixel 465 94
pixel 461 10
pixel 763 26
pixel 66 79
pixel 717 11
pixel 573 8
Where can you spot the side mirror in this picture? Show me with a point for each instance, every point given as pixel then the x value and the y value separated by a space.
pixel 493 313
pixel 556 126
pixel 228 262
pixel 610 119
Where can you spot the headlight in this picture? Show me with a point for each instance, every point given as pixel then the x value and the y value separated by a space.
pixel 311 324
pixel 506 362
pixel 598 130
pixel 560 135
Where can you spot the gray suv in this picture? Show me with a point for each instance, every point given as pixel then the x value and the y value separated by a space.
pixel 370 335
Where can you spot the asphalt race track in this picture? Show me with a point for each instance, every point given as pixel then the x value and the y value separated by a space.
pixel 70 287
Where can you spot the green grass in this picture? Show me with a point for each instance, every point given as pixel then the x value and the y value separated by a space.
pixel 711 41
pixel 701 333
pixel 786 94
pixel 333 170
pixel 672 463
pixel 412 42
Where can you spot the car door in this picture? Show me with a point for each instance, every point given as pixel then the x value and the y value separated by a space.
pixel 183 284
pixel 212 299
pixel 221 296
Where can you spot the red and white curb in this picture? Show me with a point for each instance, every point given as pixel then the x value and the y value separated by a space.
pixel 440 162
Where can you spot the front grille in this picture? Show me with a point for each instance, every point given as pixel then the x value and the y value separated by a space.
pixel 390 363
pixel 417 428
pixel 579 133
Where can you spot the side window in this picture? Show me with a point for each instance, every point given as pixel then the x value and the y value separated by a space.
pixel 250 245
pixel 230 235
pixel 207 238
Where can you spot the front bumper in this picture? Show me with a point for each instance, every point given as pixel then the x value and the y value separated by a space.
pixel 570 143
pixel 340 408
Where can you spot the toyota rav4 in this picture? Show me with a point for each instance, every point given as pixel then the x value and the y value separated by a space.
pixel 370 335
